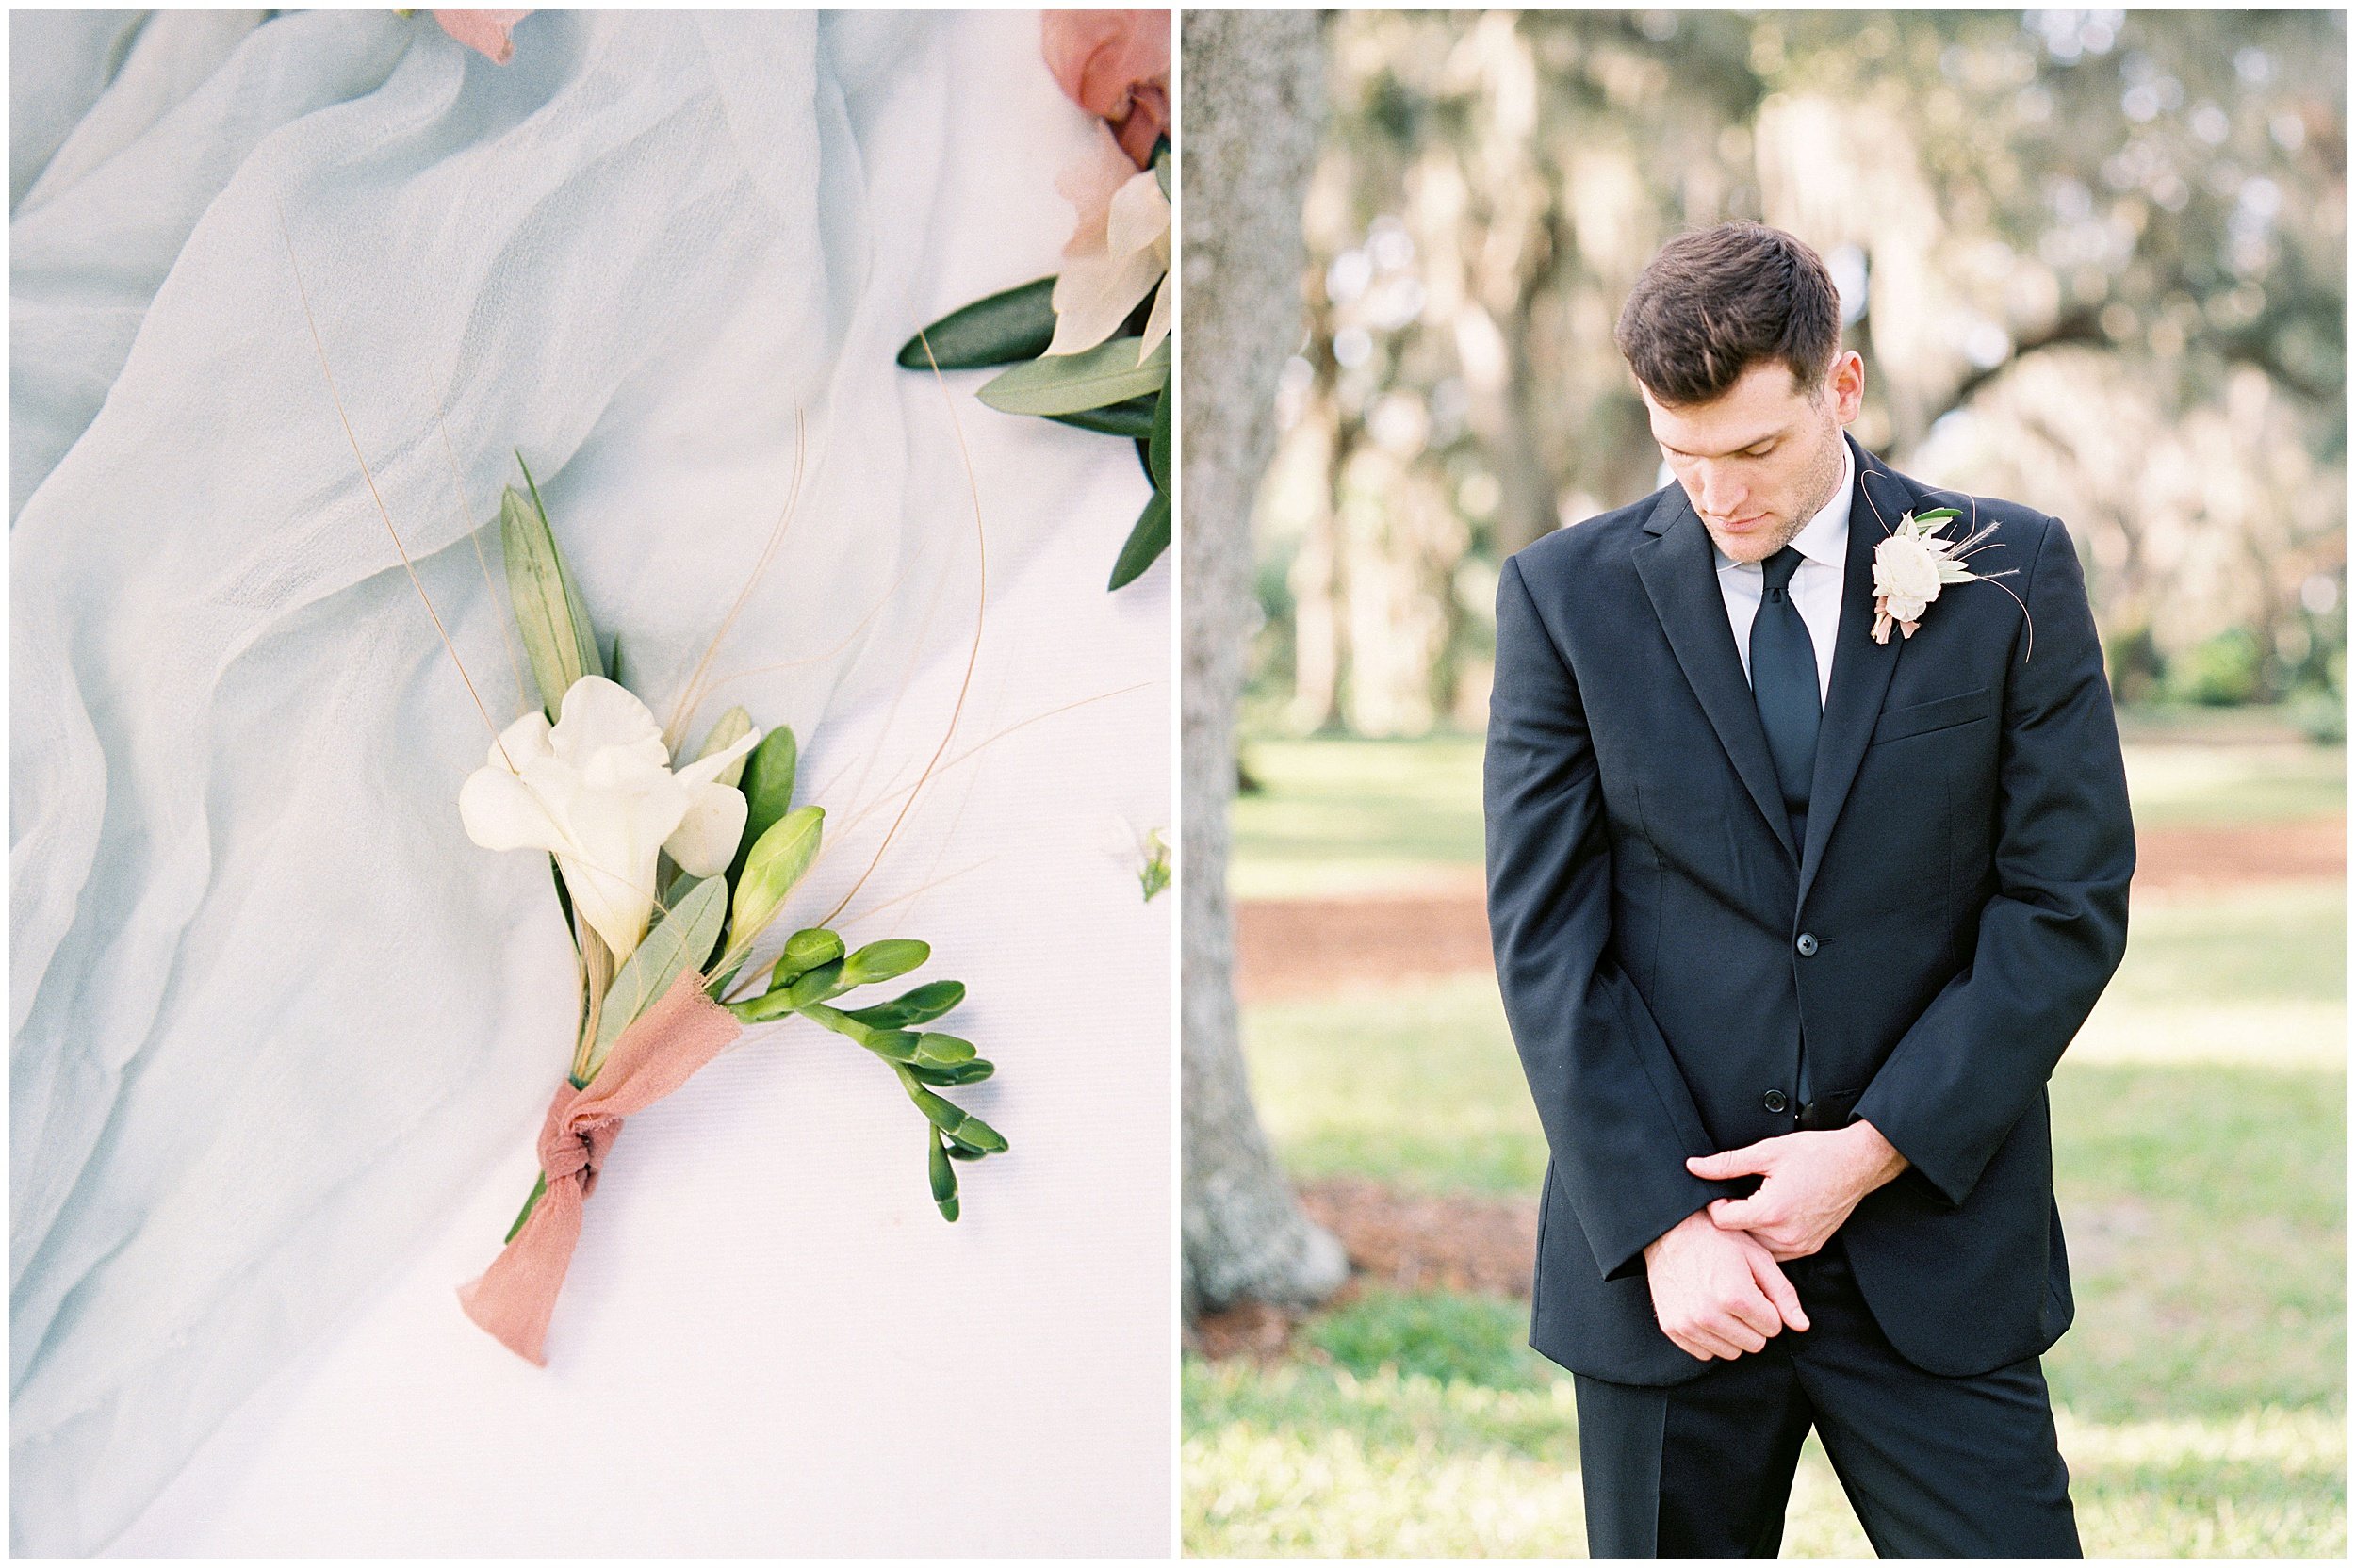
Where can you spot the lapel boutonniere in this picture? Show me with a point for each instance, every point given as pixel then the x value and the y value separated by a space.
pixel 1915 562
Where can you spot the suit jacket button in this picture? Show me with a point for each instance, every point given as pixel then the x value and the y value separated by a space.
pixel 1807 945
pixel 1775 1101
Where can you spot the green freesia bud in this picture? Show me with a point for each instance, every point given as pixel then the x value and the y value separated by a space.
pixel 944 1178
pixel 892 1045
pixel 818 985
pixel 939 1111
pixel 979 1135
pixel 943 1049
pixel 777 862
pixel 884 960
pixel 952 1077
pixel 807 950
pixel 921 1006
pixel 763 1009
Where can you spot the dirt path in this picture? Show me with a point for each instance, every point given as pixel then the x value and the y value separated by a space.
pixel 1297 947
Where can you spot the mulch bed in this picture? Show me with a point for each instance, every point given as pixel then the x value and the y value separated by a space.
pixel 1400 1241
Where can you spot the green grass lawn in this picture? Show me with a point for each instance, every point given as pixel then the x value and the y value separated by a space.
pixel 1334 817
pixel 1419 1086
pixel 2199 1141
pixel 1340 816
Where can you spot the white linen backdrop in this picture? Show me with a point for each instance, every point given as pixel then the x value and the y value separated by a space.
pixel 282 1035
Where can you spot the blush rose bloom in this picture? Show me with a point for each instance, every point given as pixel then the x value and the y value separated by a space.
pixel 484 32
pixel 1115 65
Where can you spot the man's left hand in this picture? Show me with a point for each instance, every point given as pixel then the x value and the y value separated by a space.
pixel 1814 1180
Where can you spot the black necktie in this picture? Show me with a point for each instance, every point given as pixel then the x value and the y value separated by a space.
pixel 1783 683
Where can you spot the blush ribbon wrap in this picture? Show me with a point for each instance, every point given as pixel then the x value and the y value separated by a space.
pixel 663 1047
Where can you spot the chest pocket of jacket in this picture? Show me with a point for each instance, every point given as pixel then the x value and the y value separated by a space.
pixel 1924 718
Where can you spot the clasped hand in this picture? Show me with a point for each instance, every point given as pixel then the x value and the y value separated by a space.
pixel 1716 1289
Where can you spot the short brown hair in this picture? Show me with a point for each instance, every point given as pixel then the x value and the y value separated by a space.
pixel 1714 303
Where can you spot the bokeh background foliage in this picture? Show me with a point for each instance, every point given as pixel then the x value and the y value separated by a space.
pixel 2093 261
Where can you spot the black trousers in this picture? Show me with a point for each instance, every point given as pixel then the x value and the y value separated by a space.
pixel 1934 1466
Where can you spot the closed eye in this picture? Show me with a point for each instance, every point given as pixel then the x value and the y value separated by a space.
pixel 1761 450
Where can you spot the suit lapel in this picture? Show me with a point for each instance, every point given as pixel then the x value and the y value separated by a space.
pixel 1679 573
pixel 1861 667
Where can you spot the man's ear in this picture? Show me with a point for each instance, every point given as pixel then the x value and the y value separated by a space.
pixel 1845 381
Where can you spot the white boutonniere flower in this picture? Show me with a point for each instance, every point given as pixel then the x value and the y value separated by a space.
pixel 596 791
pixel 1914 563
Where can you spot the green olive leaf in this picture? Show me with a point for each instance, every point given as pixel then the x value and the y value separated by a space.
pixel 1133 419
pixel 679 941
pixel 1093 378
pixel 768 786
pixel 1016 323
pixel 1146 542
pixel 558 638
pixel 1157 449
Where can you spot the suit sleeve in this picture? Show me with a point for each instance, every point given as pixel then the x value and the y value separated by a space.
pixel 1619 1118
pixel 2049 940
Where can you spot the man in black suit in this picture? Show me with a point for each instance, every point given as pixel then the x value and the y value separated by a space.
pixel 1793 921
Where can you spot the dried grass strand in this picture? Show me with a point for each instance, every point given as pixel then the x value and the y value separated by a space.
pixel 973 651
pixel 675 734
pixel 319 344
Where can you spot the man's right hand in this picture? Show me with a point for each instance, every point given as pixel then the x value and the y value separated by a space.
pixel 1718 1294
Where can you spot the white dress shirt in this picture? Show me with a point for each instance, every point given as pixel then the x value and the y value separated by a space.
pixel 1816 583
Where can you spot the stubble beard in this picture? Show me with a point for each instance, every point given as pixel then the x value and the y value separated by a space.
pixel 1827 481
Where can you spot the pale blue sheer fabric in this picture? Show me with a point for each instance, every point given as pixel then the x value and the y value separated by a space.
pixel 270 1009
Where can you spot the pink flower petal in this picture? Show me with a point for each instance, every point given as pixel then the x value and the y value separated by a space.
pixel 484 32
pixel 1115 65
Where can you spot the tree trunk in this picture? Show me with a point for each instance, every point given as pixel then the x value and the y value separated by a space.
pixel 1255 99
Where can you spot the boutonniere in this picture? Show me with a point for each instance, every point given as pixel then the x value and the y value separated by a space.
pixel 1915 562
pixel 670 871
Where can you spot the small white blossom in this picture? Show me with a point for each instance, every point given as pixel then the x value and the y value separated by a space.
pixel 596 789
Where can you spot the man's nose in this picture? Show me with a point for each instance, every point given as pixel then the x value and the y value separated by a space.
pixel 1722 494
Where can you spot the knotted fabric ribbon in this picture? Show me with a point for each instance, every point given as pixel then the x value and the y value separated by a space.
pixel 661 1049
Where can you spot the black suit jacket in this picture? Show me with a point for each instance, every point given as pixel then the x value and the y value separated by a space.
pixel 1663 947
